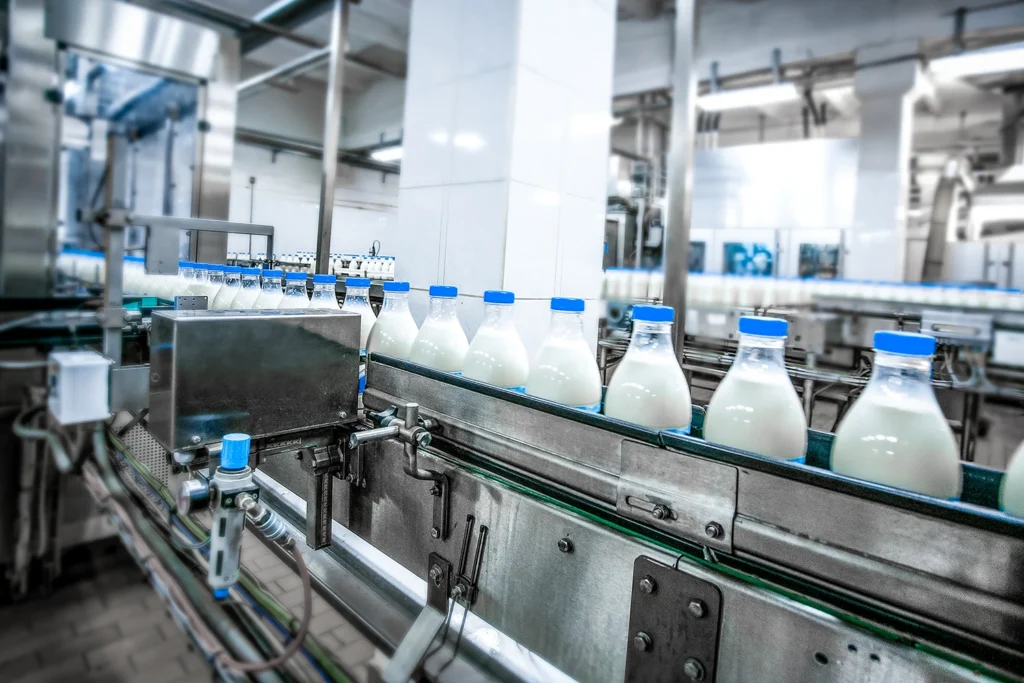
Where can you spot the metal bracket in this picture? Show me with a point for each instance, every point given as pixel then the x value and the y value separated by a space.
pixel 466 584
pixel 674 620
pixel 441 490
pixel 439 580
pixel 322 463
pixel 408 656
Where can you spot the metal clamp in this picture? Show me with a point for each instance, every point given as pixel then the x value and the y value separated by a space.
pixel 322 463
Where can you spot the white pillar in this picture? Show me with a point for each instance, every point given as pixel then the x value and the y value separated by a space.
pixel 505 153
pixel 876 245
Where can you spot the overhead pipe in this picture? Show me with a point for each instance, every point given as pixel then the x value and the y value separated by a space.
pixel 304 64
pixel 953 177
pixel 276 143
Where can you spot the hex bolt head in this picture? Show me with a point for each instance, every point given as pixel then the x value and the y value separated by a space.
pixel 647 585
pixel 697 608
pixel 195 439
pixel 435 532
pixel 565 545
pixel 436 574
pixel 660 512
pixel 641 642
pixel 713 530
pixel 693 669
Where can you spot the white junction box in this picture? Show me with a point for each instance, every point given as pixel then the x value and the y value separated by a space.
pixel 79 386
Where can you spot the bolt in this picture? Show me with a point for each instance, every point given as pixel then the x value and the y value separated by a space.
pixel 697 608
pixel 342 414
pixel 641 642
pixel 423 439
pixel 436 574
pixel 298 455
pixel 435 490
pixel 195 439
pixel 647 585
pixel 565 545
pixel 660 512
pixel 351 478
pixel 435 532
pixel 693 669
pixel 713 530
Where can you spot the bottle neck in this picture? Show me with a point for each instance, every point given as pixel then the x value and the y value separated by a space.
pixel 185 273
pixel 272 283
pixel 395 302
pixel 566 325
pixel 357 295
pixel 651 337
pixel 295 288
pixel 201 276
pixel 757 351
pixel 498 315
pixel 442 307
pixel 250 281
pixel 216 277
pixel 231 280
pixel 894 367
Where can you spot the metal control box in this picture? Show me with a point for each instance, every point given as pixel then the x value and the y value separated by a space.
pixel 258 372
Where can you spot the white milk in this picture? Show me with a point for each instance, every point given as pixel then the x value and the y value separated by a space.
pixel 497 355
pixel 185 270
pixel 271 294
pixel 395 331
pixel 896 434
pixel 565 369
pixel 324 293
pixel 294 292
pixel 441 343
pixel 755 407
pixel 249 291
pixel 229 290
pixel 1011 493
pixel 357 300
pixel 214 283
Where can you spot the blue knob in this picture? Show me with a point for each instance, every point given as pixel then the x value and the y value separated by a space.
pixel 234 454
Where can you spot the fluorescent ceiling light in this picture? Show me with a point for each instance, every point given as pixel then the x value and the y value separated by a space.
pixel 387 153
pixel 991 60
pixel 775 93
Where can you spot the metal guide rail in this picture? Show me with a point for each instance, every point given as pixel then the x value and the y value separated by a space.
pixel 949 573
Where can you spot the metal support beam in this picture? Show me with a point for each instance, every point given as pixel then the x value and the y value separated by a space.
pixel 332 129
pixel 680 166
pixel 296 67
pixel 287 17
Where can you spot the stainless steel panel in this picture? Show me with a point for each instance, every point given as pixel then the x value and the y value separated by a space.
pixel 129 388
pixel 215 150
pixel 28 229
pixel 258 372
pixel 572 608
pixel 135 34
pixel 935 567
pixel 697 497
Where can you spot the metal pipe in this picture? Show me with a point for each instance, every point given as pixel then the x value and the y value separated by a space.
pixel 680 166
pixel 332 125
pixel 356 439
pixel 296 67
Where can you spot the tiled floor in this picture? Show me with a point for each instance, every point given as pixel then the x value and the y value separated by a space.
pixel 108 625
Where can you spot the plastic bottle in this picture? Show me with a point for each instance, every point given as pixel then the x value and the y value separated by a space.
pixel 200 280
pixel 648 387
pixel 896 434
pixel 271 294
pixel 357 300
pixel 497 355
pixel 229 290
pixel 1011 492
pixel 324 293
pixel 294 291
pixel 185 270
pixel 215 280
pixel 565 369
pixel 441 343
pixel 395 331
pixel 755 407
pixel 249 289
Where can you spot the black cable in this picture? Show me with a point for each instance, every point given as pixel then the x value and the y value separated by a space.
pixel 458 641
pixel 444 627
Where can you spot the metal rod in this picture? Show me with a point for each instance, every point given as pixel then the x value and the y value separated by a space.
pixel 332 125
pixel 680 166
pixel 296 67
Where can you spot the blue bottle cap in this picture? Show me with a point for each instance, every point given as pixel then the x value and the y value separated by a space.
pixel 654 314
pixel 497 296
pixel 444 291
pixel 200 266
pixel 294 276
pixel 185 264
pixel 237 269
pixel 396 286
pixel 273 273
pixel 325 279
pixel 250 271
pixel 357 282
pixel 763 327
pixel 561 303
pixel 234 453
pixel 221 593
pixel 904 343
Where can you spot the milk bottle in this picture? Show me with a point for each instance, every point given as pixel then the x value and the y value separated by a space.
pixel 755 407
pixel 497 355
pixel 324 293
pixel 648 388
pixel 896 434
pixel 249 289
pixel 565 369
pixel 185 270
pixel 294 291
pixel 214 281
pixel 270 296
pixel 357 300
pixel 229 290
pixel 1011 493
pixel 395 331
pixel 200 280
pixel 441 344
